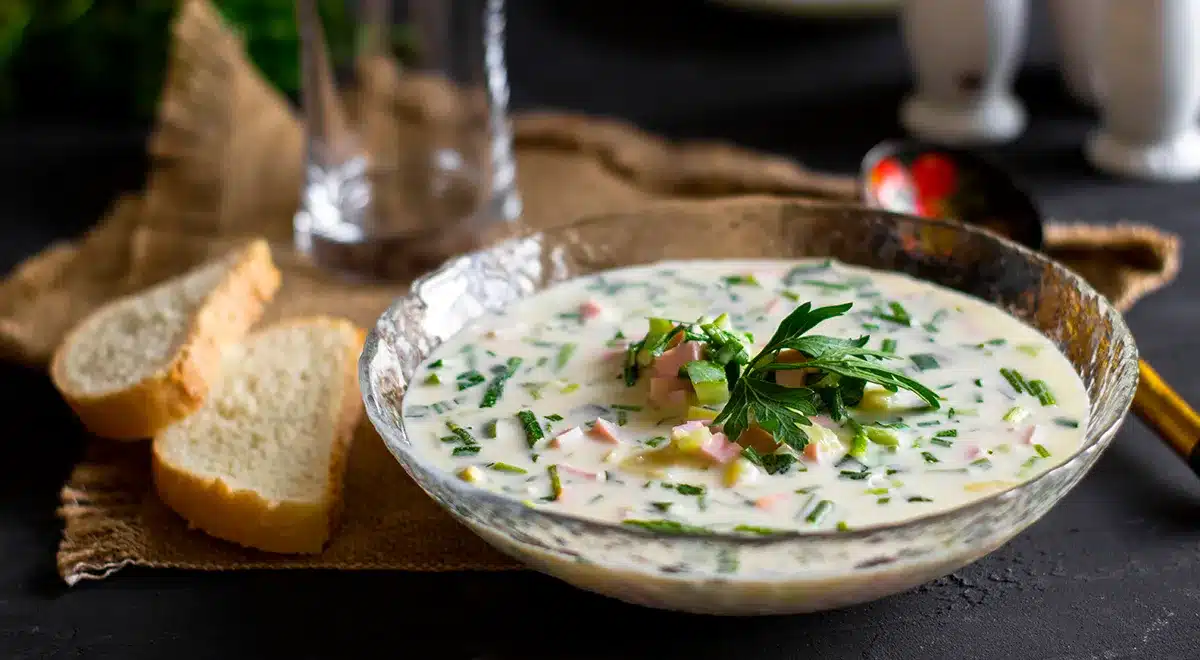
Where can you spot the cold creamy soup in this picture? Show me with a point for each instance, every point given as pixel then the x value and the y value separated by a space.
pixel 746 396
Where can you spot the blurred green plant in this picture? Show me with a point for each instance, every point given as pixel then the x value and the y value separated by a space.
pixel 112 53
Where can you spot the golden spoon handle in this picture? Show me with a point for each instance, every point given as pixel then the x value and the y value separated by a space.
pixel 1161 408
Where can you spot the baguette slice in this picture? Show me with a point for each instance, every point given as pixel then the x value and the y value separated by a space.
pixel 261 463
pixel 146 360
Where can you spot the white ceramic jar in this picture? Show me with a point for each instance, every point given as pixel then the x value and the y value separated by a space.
pixel 1148 72
pixel 964 55
pixel 1076 27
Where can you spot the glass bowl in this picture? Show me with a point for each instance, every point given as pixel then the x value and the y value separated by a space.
pixel 733 574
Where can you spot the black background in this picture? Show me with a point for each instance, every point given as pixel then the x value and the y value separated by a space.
pixel 1113 572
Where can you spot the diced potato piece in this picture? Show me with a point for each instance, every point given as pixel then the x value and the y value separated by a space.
pixel 698 413
pixel 740 472
pixel 690 442
pixel 879 400
pixel 472 475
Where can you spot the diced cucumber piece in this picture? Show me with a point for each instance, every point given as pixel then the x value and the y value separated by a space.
pixel 709 382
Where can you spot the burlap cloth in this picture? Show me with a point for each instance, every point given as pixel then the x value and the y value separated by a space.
pixel 226 162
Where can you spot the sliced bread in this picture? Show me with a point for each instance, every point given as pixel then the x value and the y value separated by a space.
pixel 146 360
pixel 261 462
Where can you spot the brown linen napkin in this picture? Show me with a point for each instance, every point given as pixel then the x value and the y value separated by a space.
pixel 226 160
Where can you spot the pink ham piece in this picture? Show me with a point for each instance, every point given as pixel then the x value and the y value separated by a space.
pixel 1030 435
pixel 579 472
pixel 812 452
pixel 719 449
pixel 668 392
pixel 590 309
pixel 686 427
pixel 768 502
pixel 606 431
pixel 668 364
pixel 571 436
pixel 973 452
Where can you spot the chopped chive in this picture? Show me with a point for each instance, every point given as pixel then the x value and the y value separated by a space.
pixel 506 467
pixel 941 442
pixel 569 387
pixel 461 433
pixel 924 361
pixel 436 364
pixel 819 512
pixel 1042 391
pixel 667 526
pixel 433 379
pixel 877 491
pixel 982 463
pixel 882 436
pixel 947 386
pixel 897 314
pixel 1066 422
pixel 858 444
pixel 449 438
pixel 962 412
pixel 978 382
pixel 662 506
pixel 622 417
pixel 1015 415
pixel 929 458
pixel 883 500
pixel 465 450
pixel 468 379
pixel 564 355
pixel 918 498
pixel 688 489
pixel 790 295
pixel 556 489
pixel 1042 451
pixel 748 280
pixel 855 475
pixel 656 441
pixel 888 345
pixel 1030 462
pixel 932 422
pixel 496 388
pixel 754 529
pixel 842 526
pixel 1029 349
pixel 832 286
pixel 948 433
pixel 533 431
pixel 1015 379
pixel 870 326
pixel 489 428
pixel 554 418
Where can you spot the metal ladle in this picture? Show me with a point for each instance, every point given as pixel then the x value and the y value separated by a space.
pixel 912 177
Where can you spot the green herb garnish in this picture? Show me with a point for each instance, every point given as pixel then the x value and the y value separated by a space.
pixel 436 364
pixel 556 489
pixel 1015 379
pixel 506 467
pixel 1042 451
pixel 888 345
pixel 465 450
pixel 895 313
pixel 754 529
pixel 461 433
pixel 1066 422
pixel 496 388
pixel 844 367
pixel 819 512
pixel 554 418
pixel 948 433
pixel 688 489
pixel 533 430
pixel 929 458
pixel 982 463
pixel 564 355
pixel 1041 390
pixel 748 280
pixel 918 498
pixel 667 526
pixel 433 379
pixel 941 442
pixel 662 506
pixel 468 379
pixel 924 361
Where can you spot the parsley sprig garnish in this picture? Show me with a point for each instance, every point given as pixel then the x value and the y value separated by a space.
pixel 843 368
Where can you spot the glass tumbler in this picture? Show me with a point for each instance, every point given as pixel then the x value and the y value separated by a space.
pixel 408 145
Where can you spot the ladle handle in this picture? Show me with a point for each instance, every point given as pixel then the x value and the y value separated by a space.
pixel 1161 408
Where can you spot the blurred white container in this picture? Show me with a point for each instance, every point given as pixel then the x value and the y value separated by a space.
pixel 1148 70
pixel 964 54
pixel 1077 27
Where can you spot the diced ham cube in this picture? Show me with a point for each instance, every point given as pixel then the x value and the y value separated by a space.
pixel 719 449
pixel 768 502
pixel 686 427
pixel 668 392
pixel 812 452
pixel 571 436
pixel 1030 435
pixel 606 431
pixel 579 472
pixel 791 377
pixel 668 364
pixel 973 452
pixel 590 309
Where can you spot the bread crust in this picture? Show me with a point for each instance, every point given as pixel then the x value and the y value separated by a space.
pixel 145 408
pixel 247 518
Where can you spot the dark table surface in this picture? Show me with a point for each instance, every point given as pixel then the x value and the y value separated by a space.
pixel 1112 572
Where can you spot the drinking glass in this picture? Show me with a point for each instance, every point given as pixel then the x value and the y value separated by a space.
pixel 408 144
